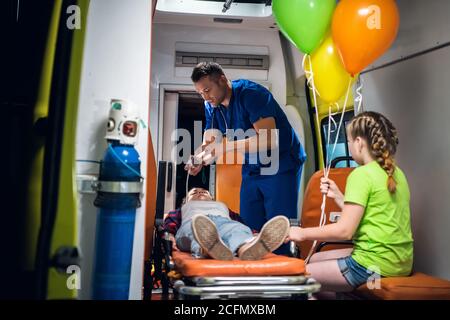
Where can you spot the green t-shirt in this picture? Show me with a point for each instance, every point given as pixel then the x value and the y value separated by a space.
pixel 383 240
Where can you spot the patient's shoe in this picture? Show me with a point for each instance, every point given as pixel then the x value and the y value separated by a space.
pixel 272 236
pixel 207 236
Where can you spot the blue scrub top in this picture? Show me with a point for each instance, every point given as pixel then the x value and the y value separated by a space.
pixel 250 102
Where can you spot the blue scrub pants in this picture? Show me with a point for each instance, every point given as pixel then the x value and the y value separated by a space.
pixel 264 197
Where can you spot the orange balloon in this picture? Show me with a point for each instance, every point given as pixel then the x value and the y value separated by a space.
pixel 363 30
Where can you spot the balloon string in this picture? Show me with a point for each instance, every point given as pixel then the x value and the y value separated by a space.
pixel 323 219
pixel 334 121
pixel 339 128
pixel 327 168
pixel 310 83
pixel 359 97
pixel 329 132
pixel 310 74
pixel 337 106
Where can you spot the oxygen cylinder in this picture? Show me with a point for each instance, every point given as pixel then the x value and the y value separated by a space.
pixel 118 196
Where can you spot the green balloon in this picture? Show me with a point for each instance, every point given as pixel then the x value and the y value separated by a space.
pixel 304 22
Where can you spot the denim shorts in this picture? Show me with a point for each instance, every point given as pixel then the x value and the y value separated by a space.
pixel 353 272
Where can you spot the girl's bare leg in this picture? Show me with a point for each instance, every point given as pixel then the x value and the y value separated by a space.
pixel 324 268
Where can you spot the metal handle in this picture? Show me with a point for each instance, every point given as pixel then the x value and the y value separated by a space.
pixel 169 176
pixel 85 182
pixel 339 159
pixel 90 184
pixel 160 190
pixel 117 186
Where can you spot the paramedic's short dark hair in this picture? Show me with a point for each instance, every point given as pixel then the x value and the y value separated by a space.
pixel 203 69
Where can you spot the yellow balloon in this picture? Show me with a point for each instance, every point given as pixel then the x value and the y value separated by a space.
pixel 330 77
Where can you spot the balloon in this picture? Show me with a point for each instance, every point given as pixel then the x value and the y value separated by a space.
pixel 363 30
pixel 330 78
pixel 304 22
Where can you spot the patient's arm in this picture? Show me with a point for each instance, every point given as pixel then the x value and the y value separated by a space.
pixel 172 221
pixel 174 242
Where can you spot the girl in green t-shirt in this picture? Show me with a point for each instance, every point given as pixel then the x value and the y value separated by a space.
pixel 375 213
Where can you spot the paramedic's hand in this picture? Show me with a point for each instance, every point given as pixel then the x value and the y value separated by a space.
pixel 296 234
pixel 194 165
pixel 192 169
pixel 174 242
pixel 213 150
pixel 329 188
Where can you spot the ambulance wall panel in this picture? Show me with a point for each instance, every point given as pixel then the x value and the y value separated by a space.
pixel 116 65
pixel 423 25
pixel 415 95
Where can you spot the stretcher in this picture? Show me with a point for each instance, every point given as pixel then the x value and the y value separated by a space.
pixel 273 277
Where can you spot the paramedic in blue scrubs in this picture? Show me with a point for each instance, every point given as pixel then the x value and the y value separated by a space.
pixel 243 104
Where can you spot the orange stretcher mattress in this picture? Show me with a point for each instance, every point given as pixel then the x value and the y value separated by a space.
pixel 270 265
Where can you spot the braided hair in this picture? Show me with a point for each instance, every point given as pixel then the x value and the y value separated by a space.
pixel 382 140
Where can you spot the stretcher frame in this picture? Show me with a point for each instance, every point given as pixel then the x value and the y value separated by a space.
pixel 264 287
pixel 218 287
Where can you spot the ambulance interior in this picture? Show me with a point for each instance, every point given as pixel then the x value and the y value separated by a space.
pixel 143 52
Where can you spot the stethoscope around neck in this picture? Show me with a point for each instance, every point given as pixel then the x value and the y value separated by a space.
pixel 212 127
pixel 223 117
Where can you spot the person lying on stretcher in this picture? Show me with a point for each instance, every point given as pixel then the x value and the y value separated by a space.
pixel 206 227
